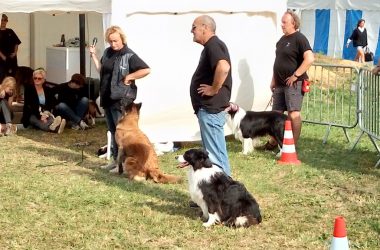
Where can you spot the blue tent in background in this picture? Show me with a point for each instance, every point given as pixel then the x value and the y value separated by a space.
pixel 329 23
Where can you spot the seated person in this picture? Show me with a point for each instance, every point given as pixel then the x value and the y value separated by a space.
pixel 72 101
pixel 39 101
pixel 7 90
pixel 376 69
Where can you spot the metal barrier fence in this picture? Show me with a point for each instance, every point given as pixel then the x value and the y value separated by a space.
pixel 369 108
pixel 333 97
pixel 344 96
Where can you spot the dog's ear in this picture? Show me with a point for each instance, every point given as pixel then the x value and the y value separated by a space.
pixel 203 157
pixel 138 106
pixel 204 152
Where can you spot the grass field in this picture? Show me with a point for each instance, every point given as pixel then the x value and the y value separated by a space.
pixel 53 198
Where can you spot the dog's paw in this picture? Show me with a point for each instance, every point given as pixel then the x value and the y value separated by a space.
pixel 208 224
pixel 203 218
pixel 139 178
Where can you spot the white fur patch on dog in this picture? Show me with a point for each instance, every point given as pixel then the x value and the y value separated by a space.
pixel 249 144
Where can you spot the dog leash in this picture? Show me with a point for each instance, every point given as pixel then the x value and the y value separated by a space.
pixel 269 103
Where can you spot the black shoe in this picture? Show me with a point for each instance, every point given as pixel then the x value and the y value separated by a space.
pixel 192 204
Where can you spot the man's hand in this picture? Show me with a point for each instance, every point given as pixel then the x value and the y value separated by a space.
pixel 291 80
pixel 208 90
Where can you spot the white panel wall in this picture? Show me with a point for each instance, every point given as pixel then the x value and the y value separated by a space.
pixel 164 41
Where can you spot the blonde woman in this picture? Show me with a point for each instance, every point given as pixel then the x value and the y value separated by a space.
pixel 7 89
pixel 118 65
pixel 39 102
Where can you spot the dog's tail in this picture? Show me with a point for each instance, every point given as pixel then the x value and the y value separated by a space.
pixel 159 177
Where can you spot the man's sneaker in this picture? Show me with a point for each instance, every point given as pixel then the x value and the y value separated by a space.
pixel 61 126
pixel 10 129
pixel 75 127
pixel 83 125
pixel 109 166
pixel 55 124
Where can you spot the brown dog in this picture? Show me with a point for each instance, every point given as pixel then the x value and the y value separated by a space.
pixel 136 153
pixel 92 113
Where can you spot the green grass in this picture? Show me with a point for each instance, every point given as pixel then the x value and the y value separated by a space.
pixel 52 199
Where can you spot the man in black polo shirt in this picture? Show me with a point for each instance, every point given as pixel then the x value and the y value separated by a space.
pixel 294 56
pixel 210 90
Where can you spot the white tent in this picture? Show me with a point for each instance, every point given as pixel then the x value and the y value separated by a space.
pixel 28 6
pixel 328 23
pixel 40 23
pixel 159 31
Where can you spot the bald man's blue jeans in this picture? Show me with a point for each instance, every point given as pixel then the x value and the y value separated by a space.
pixel 213 140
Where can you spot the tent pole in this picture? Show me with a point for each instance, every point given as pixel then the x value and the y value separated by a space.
pixel 82 44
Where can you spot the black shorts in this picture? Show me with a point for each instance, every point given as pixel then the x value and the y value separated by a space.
pixel 288 98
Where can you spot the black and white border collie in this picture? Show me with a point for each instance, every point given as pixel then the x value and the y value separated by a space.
pixel 222 199
pixel 236 114
pixel 251 125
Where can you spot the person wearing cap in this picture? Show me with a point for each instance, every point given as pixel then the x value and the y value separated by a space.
pixel 72 101
pixel 9 43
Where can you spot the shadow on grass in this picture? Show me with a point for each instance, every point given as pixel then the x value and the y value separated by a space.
pixel 336 154
pixel 64 149
pixel 62 156
pixel 174 199
pixel 76 141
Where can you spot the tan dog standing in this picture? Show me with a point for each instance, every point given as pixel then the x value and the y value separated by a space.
pixel 136 155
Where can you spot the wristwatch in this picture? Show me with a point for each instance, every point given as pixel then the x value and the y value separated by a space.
pixel 296 75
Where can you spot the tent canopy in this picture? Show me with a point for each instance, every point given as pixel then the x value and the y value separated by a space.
pixel 28 6
pixel 334 4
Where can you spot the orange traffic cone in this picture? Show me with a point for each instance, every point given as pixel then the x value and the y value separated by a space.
pixel 339 241
pixel 288 151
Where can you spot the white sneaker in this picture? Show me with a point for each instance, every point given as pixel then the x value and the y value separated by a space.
pixel 11 129
pixel 61 126
pixel 56 122
pixel 83 125
pixel 110 166
pixel 75 127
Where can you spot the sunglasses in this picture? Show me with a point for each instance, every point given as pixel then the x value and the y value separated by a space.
pixel 194 27
pixel 37 78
